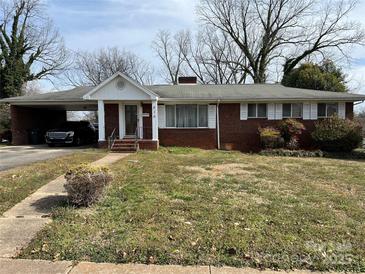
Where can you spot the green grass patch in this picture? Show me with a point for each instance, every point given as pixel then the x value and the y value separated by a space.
pixel 188 206
pixel 18 183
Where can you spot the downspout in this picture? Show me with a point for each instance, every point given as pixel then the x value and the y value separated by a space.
pixel 218 131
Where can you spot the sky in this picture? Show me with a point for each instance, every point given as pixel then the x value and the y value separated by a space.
pixel 92 24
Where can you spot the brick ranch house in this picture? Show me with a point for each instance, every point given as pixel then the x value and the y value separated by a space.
pixel 188 114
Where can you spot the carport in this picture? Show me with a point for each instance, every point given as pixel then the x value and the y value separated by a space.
pixel 41 112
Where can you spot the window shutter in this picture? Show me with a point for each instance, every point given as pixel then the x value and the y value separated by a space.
pixel 244 110
pixel 314 111
pixel 212 116
pixel 161 116
pixel 342 110
pixel 271 111
pixel 306 111
pixel 278 111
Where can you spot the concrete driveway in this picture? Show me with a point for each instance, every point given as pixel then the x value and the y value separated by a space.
pixel 13 156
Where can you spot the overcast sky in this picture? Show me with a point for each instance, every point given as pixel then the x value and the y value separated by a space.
pixel 91 24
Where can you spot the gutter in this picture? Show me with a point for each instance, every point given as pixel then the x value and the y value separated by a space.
pixel 253 100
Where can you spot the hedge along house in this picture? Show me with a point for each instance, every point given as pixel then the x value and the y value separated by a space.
pixel 188 114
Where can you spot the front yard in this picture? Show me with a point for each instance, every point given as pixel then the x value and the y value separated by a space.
pixel 185 206
pixel 18 183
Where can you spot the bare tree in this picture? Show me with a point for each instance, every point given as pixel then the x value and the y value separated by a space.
pixel 266 30
pixel 92 68
pixel 210 55
pixel 168 50
pixel 30 47
pixel 213 57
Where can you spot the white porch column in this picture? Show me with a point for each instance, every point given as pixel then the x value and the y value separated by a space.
pixel 101 120
pixel 154 120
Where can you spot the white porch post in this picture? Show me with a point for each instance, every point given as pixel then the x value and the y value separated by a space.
pixel 140 121
pixel 101 121
pixel 154 120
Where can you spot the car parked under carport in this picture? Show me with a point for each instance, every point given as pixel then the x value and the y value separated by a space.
pixel 32 118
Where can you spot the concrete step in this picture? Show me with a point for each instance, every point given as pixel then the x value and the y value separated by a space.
pixel 123 150
pixel 125 142
pixel 124 145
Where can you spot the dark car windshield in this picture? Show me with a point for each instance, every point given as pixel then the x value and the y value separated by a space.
pixel 74 125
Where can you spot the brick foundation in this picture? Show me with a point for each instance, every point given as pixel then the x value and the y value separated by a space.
pixel 24 118
pixel 200 138
pixel 148 145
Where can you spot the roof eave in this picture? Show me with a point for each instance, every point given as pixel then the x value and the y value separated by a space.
pixel 354 99
pixel 46 102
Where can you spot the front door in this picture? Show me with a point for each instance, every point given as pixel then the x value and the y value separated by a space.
pixel 130 119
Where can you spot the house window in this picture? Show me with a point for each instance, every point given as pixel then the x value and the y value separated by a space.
pixel 170 116
pixel 327 110
pixel 257 111
pixel 186 116
pixel 292 110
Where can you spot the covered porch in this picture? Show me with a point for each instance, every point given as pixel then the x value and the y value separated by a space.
pixel 127 113
pixel 126 121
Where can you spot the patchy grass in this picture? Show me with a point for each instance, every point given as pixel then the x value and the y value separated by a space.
pixel 188 206
pixel 18 183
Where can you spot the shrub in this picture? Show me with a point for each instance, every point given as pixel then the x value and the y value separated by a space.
pixel 85 184
pixel 290 130
pixel 270 137
pixel 337 135
pixel 292 153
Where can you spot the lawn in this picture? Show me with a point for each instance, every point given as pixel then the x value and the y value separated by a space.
pixel 18 183
pixel 188 206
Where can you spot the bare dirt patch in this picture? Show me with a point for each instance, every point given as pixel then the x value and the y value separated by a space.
pixel 220 171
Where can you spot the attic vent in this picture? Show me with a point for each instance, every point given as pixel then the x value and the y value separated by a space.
pixel 187 80
pixel 120 84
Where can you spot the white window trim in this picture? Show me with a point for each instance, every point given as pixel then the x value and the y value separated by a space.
pixel 256 112
pixel 291 111
pixel 197 117
pixel 338 109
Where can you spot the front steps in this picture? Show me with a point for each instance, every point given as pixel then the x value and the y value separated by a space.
pixel 126 145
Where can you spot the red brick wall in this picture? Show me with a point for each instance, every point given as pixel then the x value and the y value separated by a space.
pixel 236 134
pixel 111 119
pixel 201 138
pixel 243 135
pixel 24 118
pixel 148 144
pixel 147 121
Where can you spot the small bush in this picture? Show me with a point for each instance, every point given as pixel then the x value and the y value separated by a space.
pixel 270 137
pixel 85 184
pixel 290 130
pixel 292 153
pixel 337 135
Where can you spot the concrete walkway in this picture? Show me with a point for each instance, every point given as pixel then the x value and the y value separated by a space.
pixel 45 267
pixel 20 224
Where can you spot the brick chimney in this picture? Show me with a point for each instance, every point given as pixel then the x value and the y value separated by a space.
pixel 188 80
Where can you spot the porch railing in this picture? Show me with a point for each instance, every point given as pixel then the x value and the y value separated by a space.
pixel 112 138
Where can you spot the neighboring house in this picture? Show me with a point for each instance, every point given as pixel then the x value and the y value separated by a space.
pixel 188 114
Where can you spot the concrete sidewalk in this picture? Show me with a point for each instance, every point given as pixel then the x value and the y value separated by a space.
pixel 20 224
pixel 8 266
